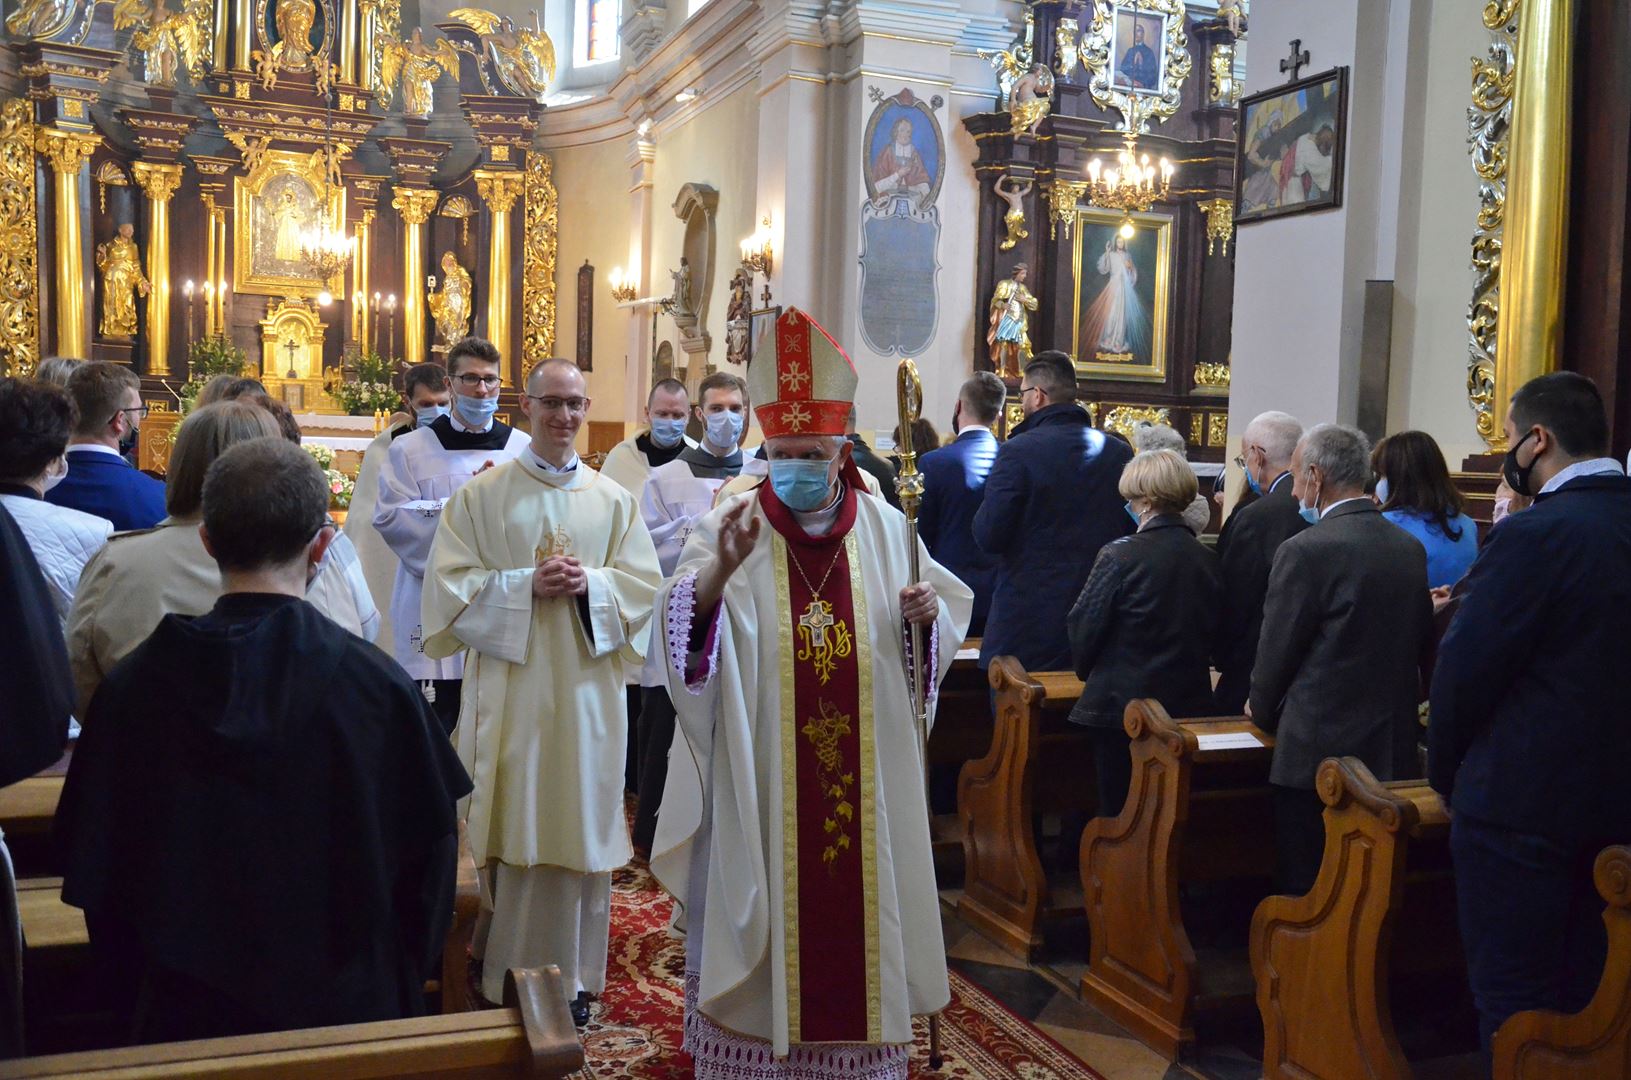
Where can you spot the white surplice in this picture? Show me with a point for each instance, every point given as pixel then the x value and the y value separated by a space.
pixel 720 847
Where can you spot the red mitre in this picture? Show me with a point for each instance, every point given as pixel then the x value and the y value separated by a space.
pixel 806 383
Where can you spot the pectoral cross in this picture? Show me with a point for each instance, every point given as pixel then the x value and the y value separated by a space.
pixel 1296 61
pixel 823 640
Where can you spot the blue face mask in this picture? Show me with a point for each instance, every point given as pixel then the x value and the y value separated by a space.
pixel 666 432
pixel 802 485
pixel 724 428
pixel 1251 482
pixel 1382 491
pixel 428 414
pixel 1133 514
pixel 475 412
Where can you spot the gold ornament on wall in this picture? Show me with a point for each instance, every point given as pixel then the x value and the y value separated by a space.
pixel 1065 36
pixel 40 18
pixel 1224 90
pixel 1122 419
pixel 168 39
pixel 1014 219
pixel 294 51
pixel 19 267
pixel 1116 37
pixel 119 262
pixel 1489 124
pixel 522 58
pixel 108 174
pixel 1212 376
pixel 450 307
pixel 1063 197
pixel 1220 223
pixel 461 210
pixel 540 228
pixel 416 66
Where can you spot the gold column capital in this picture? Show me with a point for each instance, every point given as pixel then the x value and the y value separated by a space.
pixel 67 150
pixel 499 188
pixel 414 204
pixel 157 180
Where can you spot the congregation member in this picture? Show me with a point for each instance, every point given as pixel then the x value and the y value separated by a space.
pixel 57 370
pixel 954 479
pixel 630 462
pixel 226 387
pixel 1144 623
pixel 140 577
pixel 1247 545
pixel 425 396
pixel 784 633
pixel 422 470
pixel 1051 502
pixel 108 403
pixel 1148 436
pixel 1415 492
pixel 923 437
pixel 543 570
pixel 868 461
pixel 271 842
pixel 1527 737
pixel 675 497
pixel 35 420
pixel 1347 629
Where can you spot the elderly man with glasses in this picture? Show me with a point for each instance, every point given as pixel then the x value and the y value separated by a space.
pixel 543 575
pixel 423 469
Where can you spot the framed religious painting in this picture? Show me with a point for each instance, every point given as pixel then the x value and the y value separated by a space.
pixel 1289 158
pixel 1136 54
pixel 278 206
pixel 761 324
pixel 1123 295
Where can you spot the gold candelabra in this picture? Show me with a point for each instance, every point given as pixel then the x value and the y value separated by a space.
pixel 622 282
pixel 758 253
pixel 1130 185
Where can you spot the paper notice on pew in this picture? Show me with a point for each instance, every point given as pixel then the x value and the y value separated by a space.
pixel 1233 740
pixel 968 654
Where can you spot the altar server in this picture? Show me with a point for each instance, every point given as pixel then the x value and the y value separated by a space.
pixel 543 570
pixel 797 835
pixel 423 468
pixel 631 461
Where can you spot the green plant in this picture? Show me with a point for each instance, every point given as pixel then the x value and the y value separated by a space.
pixel 374 368
pixel 207 358
pixel 341 487
pixel 320 454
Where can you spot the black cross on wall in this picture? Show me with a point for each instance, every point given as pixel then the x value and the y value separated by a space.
pixel 1296 61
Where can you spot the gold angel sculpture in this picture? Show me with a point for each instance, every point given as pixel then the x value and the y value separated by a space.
pixel 167 39
pixel 523 58
pixel 451 307
pixel 39 18
pixel 120 263
pixel 417 66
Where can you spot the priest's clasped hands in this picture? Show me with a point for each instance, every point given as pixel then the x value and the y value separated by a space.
pixel 559 575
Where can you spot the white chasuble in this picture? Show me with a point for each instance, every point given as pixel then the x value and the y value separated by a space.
pixel 541 727
pixel 813 909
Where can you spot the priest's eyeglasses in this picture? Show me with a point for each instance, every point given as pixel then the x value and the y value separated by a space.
pixel 577 405
pixel 470 381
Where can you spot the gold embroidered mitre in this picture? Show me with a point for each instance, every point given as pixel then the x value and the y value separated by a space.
pixel 806 385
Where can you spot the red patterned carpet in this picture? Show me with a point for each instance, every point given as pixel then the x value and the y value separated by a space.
pixel 634 1032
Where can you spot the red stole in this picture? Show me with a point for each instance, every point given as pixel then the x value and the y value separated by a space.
pixel 829 824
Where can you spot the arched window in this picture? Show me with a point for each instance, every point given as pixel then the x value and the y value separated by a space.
pixel 595 40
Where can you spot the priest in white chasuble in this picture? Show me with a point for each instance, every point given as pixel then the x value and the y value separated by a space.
pixel 542 574
pixel 796 835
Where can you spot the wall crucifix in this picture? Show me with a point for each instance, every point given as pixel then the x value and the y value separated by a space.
pixel 1295 63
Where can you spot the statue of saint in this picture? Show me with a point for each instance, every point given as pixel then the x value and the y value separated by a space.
pixel 1009 337
pixel 738 317
pixel 419 66
pixel 1230 10
pixel 120 263
pixel 287 223
pixel 1014 219
pixel 168 38
pixel 294 19
pixel 681 298
pixel 523 58
pixel 1032 100
pixel 451 306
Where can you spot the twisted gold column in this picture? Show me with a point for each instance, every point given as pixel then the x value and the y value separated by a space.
pixel 1529 338
pixel 158 182
pixel 415 206
pixel 68 151
pixel 499 189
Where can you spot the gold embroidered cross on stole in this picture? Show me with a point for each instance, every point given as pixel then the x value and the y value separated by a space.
pixel 823 640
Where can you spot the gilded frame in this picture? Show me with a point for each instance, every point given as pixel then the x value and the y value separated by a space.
pixel 1137 107
pixel 1156 369
pixel 264 13
pixel 247 277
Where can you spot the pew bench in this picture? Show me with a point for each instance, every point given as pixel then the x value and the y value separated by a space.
pixel 1007 895
pixel 1199 810
pixel 1595 1043
pixel 961 733
pixel 1381 916
pixel 28 809
pixel 533 1038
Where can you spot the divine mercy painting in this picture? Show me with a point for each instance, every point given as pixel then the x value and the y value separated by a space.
pixel 1122 294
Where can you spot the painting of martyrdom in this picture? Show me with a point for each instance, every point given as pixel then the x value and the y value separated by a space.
pixel 905 153
pixel 1290 157
pixel 1140 39
pixel 1122 294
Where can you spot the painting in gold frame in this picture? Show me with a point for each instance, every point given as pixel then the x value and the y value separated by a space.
pixel 1123 296
pixel 275 205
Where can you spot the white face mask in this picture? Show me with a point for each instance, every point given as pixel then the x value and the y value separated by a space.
pixel 56 472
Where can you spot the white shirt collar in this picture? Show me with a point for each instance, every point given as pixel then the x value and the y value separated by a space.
pixel 570 466
pixel 1340 502
pixel 1591 467
pixel 820 522
pixel 100 448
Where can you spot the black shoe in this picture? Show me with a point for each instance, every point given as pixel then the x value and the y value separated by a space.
pixel 580 1009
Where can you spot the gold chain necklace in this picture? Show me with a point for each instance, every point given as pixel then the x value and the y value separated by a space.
pixel 815 591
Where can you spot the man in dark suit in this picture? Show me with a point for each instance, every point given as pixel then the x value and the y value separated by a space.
pixel 100 481
pixel 1246 547
pixel 1528 737
pixel 953 486
pixel 1051 502
pixel 1347 629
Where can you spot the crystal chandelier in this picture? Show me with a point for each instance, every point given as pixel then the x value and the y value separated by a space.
pixel 1130 185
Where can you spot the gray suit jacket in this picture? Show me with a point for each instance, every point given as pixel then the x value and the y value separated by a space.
pixel 1347 629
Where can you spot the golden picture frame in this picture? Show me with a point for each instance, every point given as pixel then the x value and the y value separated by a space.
pixel 275 204
pixel 1123 295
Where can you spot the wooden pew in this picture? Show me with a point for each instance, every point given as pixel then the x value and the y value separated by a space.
pixel 1006 892
pixel 28 809
pixel 1323 961
pixel 534 1038
pixel 1595 1043
pixel 1196 812
pixel 961 733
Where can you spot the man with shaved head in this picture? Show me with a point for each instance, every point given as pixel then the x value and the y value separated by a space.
pixel 630 462
pixel 1247 545
pixel 542 574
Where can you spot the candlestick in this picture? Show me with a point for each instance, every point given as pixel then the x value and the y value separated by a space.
pixel 188 290
pixel 390 323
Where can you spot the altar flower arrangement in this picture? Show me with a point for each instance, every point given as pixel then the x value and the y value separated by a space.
pixel 207 358
pixel 365 398
pixel 340 486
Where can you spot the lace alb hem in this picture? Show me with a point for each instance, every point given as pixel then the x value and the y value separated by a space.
pixel 725 1055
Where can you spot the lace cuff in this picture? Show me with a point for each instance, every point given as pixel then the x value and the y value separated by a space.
pixel 931 662
pixel 680 619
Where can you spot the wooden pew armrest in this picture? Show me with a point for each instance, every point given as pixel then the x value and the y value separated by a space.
pixel 551 1035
